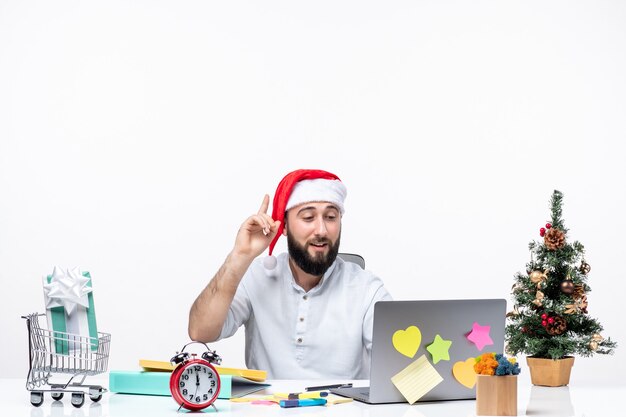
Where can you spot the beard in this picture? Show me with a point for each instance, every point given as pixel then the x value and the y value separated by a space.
pixel 315 265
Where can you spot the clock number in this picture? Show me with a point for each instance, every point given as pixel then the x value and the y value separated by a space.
pixel 185 377
pixel 212 382
pixel 205 397
pixel 189 370
pixel 182 384
pixel 210 374
pixel 191 397
pixel 197 399
pixel 185 392
pixel 197 368
pixel 210 390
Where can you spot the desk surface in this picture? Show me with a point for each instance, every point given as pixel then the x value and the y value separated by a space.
pixel 536 401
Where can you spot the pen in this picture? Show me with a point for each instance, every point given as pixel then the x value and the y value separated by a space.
pixel 306 402
pixel 322 387
pixel 300 395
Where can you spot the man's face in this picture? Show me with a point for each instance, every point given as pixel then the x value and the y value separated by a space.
pixel 313 233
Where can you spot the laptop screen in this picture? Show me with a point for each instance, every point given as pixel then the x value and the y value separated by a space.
pixel 450 334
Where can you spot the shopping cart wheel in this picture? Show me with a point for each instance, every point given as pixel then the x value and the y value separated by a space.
pixel 78 399
pixel 95 393
pixel 36 398
pixel 56 396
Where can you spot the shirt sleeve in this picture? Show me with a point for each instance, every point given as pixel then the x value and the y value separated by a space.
pixel 238 313
pixel 381 294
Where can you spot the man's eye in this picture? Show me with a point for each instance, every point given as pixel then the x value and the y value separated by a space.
pixel 307 219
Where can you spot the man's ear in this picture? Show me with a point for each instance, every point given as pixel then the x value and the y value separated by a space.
pixel 285 221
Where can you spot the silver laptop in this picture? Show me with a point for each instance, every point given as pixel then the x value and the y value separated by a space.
pixel 453 320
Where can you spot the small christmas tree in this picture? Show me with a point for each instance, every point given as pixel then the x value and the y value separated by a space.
pixel 550 317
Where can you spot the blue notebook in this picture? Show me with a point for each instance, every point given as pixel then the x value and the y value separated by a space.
pixel 158 383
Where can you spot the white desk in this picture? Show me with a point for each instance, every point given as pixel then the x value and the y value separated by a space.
pixel 536 401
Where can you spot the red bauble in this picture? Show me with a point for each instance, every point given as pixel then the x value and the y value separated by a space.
pixel 544 323
pixel 548 225
pixel 550 320
pixel 544 316
pixel 542 232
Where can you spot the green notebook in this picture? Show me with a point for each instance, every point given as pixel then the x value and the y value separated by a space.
pixel 158 383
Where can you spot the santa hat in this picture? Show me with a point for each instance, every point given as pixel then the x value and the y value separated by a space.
pixel 299 187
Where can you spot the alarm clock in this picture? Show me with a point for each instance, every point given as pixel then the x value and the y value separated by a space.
pixel 195 383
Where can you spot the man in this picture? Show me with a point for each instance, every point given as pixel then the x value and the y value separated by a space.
pixel 308 314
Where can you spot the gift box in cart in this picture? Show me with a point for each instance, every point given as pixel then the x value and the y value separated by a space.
pixel 53 354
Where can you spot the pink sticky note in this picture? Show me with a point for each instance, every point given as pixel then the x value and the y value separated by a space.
pixel 480 336
pixel 262 402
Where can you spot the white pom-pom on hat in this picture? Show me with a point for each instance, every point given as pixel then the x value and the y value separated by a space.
pixel 270 262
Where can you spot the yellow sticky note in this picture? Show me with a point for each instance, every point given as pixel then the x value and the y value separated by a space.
pixel 407 341
pixel 333 399
pixel 417 379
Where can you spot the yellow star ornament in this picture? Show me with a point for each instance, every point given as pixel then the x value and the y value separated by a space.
pixel 439 349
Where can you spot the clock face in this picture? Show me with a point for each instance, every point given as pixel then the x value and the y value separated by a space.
pixel 198 384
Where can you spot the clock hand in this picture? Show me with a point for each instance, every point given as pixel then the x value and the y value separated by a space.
pixel 197 384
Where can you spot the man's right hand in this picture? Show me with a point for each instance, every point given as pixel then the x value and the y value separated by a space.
pixel 208 313
pixel 256 233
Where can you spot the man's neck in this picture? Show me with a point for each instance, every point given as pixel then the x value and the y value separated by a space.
pixel 304 280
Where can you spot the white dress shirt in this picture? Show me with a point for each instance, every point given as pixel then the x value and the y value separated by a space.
pixel 293 334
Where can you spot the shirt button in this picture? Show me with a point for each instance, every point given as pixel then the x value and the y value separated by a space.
pixel 301 318
pixel 305 297
pixel 299 340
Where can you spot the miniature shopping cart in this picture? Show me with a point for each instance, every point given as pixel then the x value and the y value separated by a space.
pixel 52 353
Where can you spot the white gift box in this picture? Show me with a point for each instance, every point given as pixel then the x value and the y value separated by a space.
pixel 70 311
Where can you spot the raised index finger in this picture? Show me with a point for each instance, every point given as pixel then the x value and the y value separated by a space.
pixel 264 205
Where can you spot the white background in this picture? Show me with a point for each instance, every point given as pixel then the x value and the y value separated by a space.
pixel 136 136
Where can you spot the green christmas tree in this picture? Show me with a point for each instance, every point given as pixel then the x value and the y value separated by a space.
pixel 550 316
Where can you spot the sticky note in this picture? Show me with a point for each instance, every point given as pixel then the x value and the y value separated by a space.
pixel 417 379
pixel 333 399
pixel 407 341
pixel 439 349
pixel 480 336
pixel 464 372
pixel 253 399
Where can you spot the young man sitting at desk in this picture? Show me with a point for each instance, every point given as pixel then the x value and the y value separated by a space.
pixel 308 314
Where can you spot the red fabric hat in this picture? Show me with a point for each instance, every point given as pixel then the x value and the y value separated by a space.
pixel 304 186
